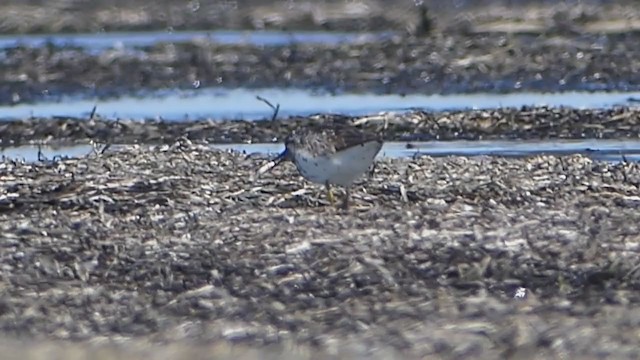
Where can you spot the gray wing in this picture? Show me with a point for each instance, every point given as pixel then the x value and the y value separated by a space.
pixel 349 136
pixel 334 139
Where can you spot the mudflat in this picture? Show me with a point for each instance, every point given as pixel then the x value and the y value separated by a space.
pixel 442 63
pixel 486 47
pixel 444 257
pixel 525 123
pixel 165 248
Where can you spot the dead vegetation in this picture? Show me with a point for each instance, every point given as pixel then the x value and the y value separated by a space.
pixel 527 123
pixel 443 64
pixel 448 257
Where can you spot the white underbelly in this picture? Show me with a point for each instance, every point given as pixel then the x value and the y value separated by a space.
pixel 342 168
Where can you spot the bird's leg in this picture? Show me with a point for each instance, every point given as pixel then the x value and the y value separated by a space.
pixel 345 202
pixel 332 200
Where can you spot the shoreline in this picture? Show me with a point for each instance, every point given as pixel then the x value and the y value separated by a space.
pixel 442 64
pixel 183 244
pixel 526 123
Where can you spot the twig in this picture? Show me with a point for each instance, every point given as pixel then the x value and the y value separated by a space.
pixel 108 145
pixel 105 148
pixel 625 162
pixel 41 156
pixel 93 112
pixel 274 108
pixel 372 170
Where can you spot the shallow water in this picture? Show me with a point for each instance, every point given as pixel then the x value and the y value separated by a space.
pixel 29 153
pixel 96 42
pixel 220 103
pixel 606 150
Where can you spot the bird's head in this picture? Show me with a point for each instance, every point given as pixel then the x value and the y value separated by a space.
pixel 285 155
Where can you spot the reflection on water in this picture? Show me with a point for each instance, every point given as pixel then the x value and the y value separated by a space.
pixel 220 103
pixel 31 153
pixel 606 150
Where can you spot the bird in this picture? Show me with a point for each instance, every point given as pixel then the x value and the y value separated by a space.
pixel 337 155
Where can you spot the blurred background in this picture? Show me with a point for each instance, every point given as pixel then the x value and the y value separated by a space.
pixel 18 16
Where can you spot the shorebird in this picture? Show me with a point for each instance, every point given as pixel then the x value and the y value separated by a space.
pixel 335 156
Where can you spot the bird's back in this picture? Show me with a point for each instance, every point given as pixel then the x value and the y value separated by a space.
pixel 332 140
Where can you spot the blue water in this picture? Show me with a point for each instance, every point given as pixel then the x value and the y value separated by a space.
pixel 101 41
pixel 606 150
pixel 220 103
pixel 29 153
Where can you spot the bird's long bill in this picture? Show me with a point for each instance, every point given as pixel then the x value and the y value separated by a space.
pixel 273 163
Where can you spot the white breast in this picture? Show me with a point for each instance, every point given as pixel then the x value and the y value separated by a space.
pixel 341 168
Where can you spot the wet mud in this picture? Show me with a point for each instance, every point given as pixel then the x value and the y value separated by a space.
pixel 402 65
pixel 478 46
pixel 177 250
pixel 527 123
pixel 514 16
pixel 440 257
